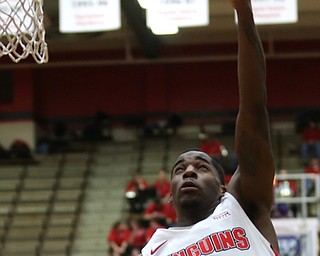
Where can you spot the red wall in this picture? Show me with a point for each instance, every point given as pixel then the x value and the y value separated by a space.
pixel 23 100
pixel 147 88
pixel 133 89
pixel 83 91
pixel 180 87
pixel 294 83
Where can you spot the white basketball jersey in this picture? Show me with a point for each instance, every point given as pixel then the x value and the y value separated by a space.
pixel 228 231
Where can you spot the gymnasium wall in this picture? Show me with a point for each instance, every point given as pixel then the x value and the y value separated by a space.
pixel 135 89
pixel 175 87
pixel 16 112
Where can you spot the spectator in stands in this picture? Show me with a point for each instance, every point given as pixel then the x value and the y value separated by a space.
pixel 214 148
pixel 98 124
pixel 137 236
pixel 61 137
pixel 282 210
pixel 310 142
pixel 313 168
pixel 44 146
pixel 136 193
pixel 152 128
pixel 161 185
pixel 170 213
pixel 118 239
pixel 284 188
pixel 19 149
pixel 154 224
pixel 173 123
pixel 160 209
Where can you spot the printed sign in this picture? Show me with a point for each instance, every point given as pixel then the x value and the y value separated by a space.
pixel 275 11
pixel 180 13
pixel 89 15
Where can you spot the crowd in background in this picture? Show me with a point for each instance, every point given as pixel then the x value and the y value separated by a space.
pixel 148 204
pixel 310 159
pixel 310 146
pixel 18 150
pixel 149 207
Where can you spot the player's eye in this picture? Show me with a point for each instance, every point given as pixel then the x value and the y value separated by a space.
pixel 178 169
pixel 203 167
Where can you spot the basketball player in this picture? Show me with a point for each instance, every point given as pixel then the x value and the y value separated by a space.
pixel 232 221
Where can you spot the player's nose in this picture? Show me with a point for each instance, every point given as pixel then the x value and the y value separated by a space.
pixel 190 172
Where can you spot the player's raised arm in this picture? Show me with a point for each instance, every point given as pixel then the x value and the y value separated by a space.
pixel 197 187
pixel 252 183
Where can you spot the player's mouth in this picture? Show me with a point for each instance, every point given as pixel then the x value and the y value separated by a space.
pixel 189 186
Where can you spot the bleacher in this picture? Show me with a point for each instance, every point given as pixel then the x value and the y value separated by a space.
pixel 114 163
pixel 40 205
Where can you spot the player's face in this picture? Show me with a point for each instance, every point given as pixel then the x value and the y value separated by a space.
pixel 194 180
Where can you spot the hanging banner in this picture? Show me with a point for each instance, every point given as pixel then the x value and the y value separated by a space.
pixel 275 11
pixel 89 15
pixel 180 13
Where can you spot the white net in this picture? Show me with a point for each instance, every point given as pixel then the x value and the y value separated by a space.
pixel 22 30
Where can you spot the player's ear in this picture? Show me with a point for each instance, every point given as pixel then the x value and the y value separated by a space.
pixel 223 189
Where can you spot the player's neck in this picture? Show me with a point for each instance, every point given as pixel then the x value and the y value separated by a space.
pixel 192 215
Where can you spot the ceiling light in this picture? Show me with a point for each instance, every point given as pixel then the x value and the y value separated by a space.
pixel 145 4
pixel 164 29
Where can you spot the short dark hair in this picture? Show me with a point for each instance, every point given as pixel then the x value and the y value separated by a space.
pixel 215 164
pixel 219 170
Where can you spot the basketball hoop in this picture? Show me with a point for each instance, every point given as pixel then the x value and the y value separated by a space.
pixel 22 30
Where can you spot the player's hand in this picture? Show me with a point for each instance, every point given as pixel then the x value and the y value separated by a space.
pixel 239 4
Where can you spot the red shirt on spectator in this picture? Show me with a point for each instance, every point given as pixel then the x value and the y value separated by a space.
pixel 137 235
pixel 311 133
pixel 160 210
pixel 313 167
pixel 119 234
pixel 136 184
pixel 153 226
pixel 211 147
pixel 162 185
